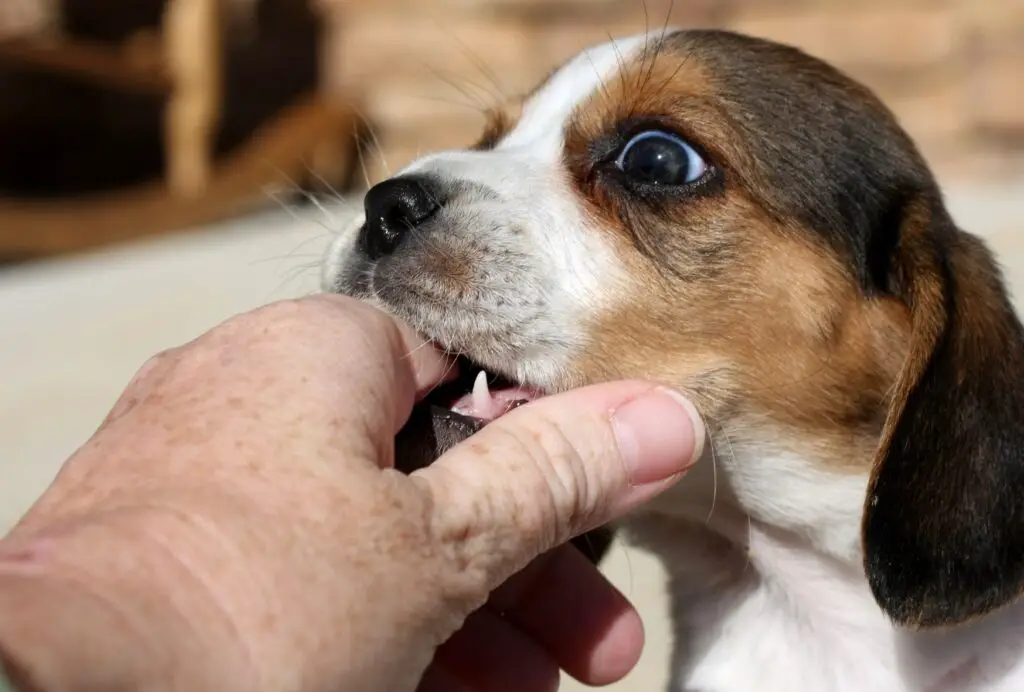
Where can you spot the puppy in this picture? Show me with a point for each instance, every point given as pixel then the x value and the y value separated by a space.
pixel 744 222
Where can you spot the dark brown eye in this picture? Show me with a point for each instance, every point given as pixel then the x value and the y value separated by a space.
pixel 660 159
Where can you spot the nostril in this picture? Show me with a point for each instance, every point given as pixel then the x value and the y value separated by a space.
pixel 393 208
pixel 416 205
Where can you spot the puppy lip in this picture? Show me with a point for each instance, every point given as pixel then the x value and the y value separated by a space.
pixel 484 405
pixel 470 391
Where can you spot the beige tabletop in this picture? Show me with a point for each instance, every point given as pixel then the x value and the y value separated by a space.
pixel 75 330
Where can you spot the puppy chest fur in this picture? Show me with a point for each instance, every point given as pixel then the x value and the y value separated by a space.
pixel 741 221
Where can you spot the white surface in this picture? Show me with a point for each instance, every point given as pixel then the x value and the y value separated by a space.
pixel 74 332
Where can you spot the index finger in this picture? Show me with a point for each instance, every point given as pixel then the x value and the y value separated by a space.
pixel 385 365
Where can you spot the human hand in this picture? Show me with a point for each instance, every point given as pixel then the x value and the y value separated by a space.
pixel 235 523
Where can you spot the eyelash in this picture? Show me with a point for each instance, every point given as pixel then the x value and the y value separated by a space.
pixel 605 152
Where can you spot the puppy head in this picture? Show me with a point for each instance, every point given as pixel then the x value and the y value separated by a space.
pixel 742 221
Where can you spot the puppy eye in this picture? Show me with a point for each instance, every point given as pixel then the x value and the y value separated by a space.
pixel 660 158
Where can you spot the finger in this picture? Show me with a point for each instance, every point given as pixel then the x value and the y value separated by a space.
pixel 367 355
pixel 570 609
pixel 555 468
pixel 490 655
pixel 429 365
pixel 389 362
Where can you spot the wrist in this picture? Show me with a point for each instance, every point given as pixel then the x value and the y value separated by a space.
pixel 55 637
pixel 92 609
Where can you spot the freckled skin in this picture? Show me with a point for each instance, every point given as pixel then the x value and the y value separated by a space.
pixel 432 430
pixel 202 546
pixel 252 504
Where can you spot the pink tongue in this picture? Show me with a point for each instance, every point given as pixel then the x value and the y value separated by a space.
pixel 493 404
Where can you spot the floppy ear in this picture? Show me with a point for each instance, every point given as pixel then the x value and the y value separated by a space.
pixel 943 529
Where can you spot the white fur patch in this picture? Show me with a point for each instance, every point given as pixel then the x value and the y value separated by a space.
pixel 541 128
pixel 525 168
pixel 762 546
pixel 535 211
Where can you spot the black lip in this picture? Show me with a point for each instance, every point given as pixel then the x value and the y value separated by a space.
pixel 430 432
pixel 433 428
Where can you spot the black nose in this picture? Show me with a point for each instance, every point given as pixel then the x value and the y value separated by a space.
pixel 393 208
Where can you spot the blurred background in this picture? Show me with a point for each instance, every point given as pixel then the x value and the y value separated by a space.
pixel 951 69
pixel 165 164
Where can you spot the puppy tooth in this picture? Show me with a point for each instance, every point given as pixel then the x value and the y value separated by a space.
pixel 481 394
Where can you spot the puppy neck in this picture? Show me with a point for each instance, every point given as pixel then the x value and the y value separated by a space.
pixel 754 474
pixel 762 538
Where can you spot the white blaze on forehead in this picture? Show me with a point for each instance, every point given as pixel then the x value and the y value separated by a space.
pixel 539 135
pixel 529 207
pixel 533 185
pixel 541 126
pixel 525 170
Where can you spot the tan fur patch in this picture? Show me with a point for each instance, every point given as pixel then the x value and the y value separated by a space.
pixel 500 121
pixel 756 316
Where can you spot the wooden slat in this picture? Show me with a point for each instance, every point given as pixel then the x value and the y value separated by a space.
pixel 192 48
pixel 106 65
pixel 278 153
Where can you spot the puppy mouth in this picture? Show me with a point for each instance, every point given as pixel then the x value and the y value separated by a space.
pixel 458 408
pixel 484 397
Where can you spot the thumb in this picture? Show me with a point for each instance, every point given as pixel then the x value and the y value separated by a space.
pixel 556 468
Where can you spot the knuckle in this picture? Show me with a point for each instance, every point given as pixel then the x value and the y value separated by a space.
pixel 153 369
pixel 293 319
pixel 282 311
pixel 317 313
pixel 153 364
pixel 525 489
pixel 549 461
pixel 486 533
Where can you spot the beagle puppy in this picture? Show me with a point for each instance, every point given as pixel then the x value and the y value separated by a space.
pixel 742 221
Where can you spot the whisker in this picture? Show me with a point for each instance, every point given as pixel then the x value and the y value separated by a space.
pixel 714 480
pixel 600 78
pixel 292 211
pixel 287 256
pixel 374 139
pixel 365 171
pixel 413 351
pixel 481 103
pixel 447 371
pixel 364 138
pixel 451 366
pixel 295 186
pixel 291 276
pixel 433 98
pixel 300 269
pixel 638 88
pixel 329 215
pixel 478 62
pixel 380 154
pixel 746 564
pixel 338 196
pixel 656 49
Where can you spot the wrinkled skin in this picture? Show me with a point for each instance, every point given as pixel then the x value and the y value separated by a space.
pixel 432 430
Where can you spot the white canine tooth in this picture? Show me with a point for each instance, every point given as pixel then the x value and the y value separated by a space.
pixel 481 394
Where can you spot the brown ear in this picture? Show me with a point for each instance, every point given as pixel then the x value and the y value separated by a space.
pixel 943 525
